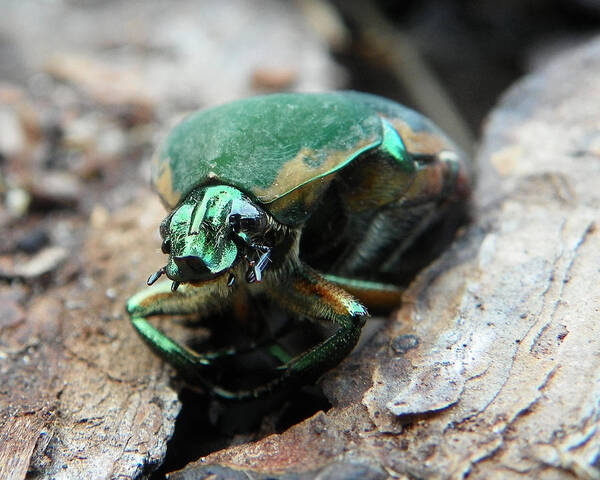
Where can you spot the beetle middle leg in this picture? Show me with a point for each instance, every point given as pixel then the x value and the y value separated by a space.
pixel 306 293
pixel 378 296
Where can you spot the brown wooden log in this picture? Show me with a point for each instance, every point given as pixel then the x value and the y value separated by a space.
pixel 80 396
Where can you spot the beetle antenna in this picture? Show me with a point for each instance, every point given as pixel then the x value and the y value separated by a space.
pixel 256 269
pixel 155 276
pixel 174 286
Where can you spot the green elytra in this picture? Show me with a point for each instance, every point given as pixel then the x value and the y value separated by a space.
pixel 311 200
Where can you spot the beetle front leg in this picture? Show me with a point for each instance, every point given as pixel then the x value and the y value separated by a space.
pixel 306 293
pixel 378 296
pixel 160 299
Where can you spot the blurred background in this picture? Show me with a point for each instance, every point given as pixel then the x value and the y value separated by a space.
pixel 88 87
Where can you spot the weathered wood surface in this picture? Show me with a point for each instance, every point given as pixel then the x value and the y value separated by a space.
pixel 77 385
pixel 491 368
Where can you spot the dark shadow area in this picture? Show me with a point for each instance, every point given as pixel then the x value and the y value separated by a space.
pixel 206 425
pixel 476 49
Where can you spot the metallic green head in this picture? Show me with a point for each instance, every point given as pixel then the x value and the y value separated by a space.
pixel 209 232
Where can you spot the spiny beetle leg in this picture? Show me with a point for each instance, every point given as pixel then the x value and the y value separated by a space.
pixel 377 295
pixel 308 294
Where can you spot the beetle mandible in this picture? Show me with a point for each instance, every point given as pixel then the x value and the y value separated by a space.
pixel 311 200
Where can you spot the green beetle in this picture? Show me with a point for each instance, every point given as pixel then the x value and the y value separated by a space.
pixel 311 200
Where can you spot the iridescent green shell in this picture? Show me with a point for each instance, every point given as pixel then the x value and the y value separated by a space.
pixel 284 149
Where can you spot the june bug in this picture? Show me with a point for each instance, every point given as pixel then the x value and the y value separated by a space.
pixel 310 200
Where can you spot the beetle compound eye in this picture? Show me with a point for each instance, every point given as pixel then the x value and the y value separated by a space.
pixel 164 227
pixel 166 245
pixel 235 222
pixel 254 224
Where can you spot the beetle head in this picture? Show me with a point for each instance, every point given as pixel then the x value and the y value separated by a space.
pixel 208 234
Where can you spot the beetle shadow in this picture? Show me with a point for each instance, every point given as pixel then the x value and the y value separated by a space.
pixel 207 423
